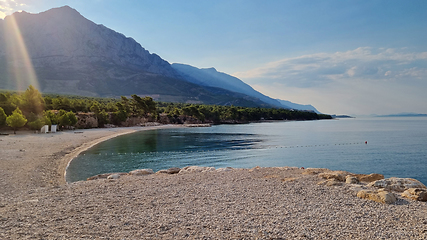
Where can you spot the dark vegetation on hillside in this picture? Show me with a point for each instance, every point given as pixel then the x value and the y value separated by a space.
pixel 32 110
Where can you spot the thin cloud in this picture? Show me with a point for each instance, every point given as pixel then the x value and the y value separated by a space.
pixel 324 68
pixel 8 7
pixel 360 81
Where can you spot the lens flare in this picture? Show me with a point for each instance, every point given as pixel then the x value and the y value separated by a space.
pixel 21 71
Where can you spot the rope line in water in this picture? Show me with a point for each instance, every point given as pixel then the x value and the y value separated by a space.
pixel 238 148
pixel 319 145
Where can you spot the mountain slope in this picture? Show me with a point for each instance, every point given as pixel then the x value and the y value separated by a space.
pixel 60 35
pixel 62 52
pixel 298 106
pixel 212 78
pixel 72 55
pixel 68 50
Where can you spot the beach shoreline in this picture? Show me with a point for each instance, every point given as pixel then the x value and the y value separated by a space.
pixel 85 146
pixel 31 160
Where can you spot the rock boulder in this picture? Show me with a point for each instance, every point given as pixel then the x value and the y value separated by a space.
pixel 418 194
pixel 314 171
pixel 140 172
pixel 114 176
pixel 370 178
pixel 331 182
pixel 338 175
pixel 192 169
pixel 226 169
pixel 397 184
pixel 351 179
pixel 104 176
pixel 174 170
pixel 380 196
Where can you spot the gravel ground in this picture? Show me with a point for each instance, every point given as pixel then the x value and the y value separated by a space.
pixel 259 203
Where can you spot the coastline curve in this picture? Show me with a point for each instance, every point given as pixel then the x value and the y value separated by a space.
pixel 68 158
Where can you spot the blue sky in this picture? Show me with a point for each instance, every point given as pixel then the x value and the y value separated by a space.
pixel 343 57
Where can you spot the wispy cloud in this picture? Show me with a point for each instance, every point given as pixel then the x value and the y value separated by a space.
pixel 360 81
pixel 324 68
pixel 8 7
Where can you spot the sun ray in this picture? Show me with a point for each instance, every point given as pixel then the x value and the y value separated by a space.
pixel 20 67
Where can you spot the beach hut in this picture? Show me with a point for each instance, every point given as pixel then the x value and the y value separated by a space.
pixel 45 129
pixel 53 128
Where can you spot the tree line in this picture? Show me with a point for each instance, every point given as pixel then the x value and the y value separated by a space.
pixel 32 110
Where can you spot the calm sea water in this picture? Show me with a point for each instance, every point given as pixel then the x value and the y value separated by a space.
pixel 395 147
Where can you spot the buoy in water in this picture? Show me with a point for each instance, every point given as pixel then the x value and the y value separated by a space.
pixel 366 142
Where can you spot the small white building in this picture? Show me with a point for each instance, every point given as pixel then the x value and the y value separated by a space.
pixel 44 129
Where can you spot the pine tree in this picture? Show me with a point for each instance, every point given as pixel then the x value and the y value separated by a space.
pixel 16 120
pixel 2 117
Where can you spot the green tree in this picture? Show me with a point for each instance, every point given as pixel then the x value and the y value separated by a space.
pixel 50 118
pixel 72 118
pixel 67 119
pixel 3 97
pixel 59 103
pixel 124 105
pixel 2 117
pixel 6 104
pixel 32 101
pixel 111 107
pixel 36 124
pixel 119 117
pixel 16 120
pixel 103 118
pixel 95 108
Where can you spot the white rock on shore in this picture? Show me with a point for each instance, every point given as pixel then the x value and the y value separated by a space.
pixel 140 172
pixel 397 184
pixel 194 169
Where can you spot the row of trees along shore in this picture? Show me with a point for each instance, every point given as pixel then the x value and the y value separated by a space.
pixel 32 110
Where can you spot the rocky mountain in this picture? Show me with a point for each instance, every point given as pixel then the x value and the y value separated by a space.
pixel 212 78
pixel 298 106
pixel 70 54
pixel 65 53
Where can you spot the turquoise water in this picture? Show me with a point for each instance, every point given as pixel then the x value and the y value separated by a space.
pixel 396 147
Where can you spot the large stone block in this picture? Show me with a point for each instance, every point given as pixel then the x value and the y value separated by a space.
pixel 370 177
pixel 380 196
pixel 418 194
pixel 191 169
pixel 397 184
pixel 140 172
pixel 338 175
pixel 174 170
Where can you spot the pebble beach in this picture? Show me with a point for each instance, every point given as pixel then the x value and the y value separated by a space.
pixel 258 203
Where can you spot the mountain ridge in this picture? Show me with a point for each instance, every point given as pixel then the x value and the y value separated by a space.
pixel 303 107
pixel 71 54
pixel 212 78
